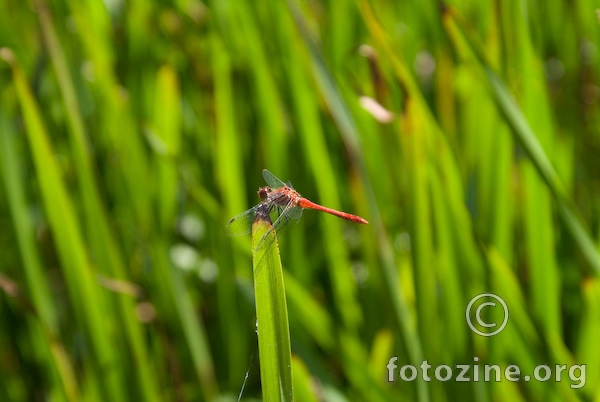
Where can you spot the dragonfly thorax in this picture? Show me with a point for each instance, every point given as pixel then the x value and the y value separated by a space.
pixel 280 196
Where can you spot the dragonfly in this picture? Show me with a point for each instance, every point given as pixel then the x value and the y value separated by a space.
pixel 285 202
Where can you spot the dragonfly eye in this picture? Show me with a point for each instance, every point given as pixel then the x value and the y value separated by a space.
pixel 263 193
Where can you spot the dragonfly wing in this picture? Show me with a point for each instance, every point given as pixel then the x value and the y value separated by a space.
pixel 242 224
pixel 271 180
pixel 294 212
pixel 283 219
pixel 288 215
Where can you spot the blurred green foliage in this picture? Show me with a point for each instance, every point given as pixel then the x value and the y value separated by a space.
pixel 130 132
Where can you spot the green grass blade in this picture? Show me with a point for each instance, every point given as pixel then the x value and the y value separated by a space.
pixel 587 344
pixel 13 183
pixel 265 89
pixel 107 254
pixel 347 127
pixel 303 392
pixel 36 282
pixel 167 118
pixel 311 314
pixel 528 139
pixel 118 131
pixel 90 305
pixel 271 315
pixel 192 325
pixel 230 179
pixel 319 159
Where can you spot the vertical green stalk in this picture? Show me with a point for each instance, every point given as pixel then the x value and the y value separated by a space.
pixel 322 166
pixel 38 287
pixel 421 235
pixel 271 313
pixel 526 137
pixel 346 124
pixel 229 174
pixel 166 123
pixel 265 89
pixel 92 310
pixel 107 255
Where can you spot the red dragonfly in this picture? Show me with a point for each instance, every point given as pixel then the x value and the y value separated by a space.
pixel 286 202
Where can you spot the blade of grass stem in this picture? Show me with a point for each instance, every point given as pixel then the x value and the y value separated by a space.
pixel 102 241
pixel 229 177
pixel 349 133
pixel 90 305
pixel 523 133
pixel 302 382
pixel 321 164
pixel 36 282
pixel 271 315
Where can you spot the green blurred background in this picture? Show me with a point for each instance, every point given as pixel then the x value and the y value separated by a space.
pixel 131 132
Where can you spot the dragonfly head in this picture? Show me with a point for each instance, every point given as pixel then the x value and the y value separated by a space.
pixel 263 193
